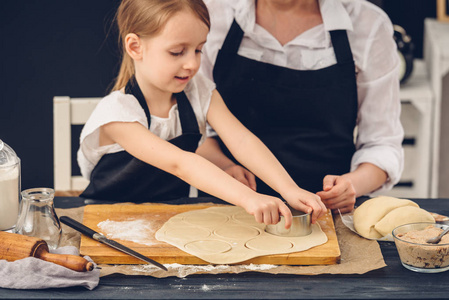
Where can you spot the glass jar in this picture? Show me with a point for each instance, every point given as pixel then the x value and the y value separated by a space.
pixel 9 188
pixel 38 217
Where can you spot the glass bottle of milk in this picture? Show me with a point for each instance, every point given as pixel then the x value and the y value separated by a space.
pixel 9 187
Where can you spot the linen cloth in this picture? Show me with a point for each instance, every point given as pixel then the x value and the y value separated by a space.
pixel 34 273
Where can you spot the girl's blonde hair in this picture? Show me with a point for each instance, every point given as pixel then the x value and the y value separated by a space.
pixel 147 18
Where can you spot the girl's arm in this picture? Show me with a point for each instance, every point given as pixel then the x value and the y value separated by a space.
pixel 194 169
pixel 254 155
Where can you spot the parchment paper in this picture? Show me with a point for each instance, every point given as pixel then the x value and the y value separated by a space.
pixel 358 256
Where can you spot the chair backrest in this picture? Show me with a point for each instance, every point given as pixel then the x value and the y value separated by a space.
pixel 67 112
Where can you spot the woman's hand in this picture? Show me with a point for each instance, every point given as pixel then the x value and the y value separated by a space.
pixel 305 201
pixel 242 175
pixel 267 209
pixel 338 193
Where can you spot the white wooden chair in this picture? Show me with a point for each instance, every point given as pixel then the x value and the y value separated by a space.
pixel 67 112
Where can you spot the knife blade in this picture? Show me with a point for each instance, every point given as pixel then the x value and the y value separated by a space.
pixel 103 239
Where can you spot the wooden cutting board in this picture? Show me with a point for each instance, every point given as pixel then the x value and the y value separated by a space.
pixel 158 214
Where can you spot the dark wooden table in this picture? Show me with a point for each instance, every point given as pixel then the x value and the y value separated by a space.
pixel 392 281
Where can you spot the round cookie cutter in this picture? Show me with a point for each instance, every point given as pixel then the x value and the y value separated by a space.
pixel 301 225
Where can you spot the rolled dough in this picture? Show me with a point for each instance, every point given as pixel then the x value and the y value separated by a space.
pixel 269 243
pixel 234 236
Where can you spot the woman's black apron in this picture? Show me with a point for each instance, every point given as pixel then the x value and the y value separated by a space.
pixel 306 117
pixel 122 177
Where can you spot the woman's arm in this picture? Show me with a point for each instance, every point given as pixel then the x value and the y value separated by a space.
pixel 340 192
pixel 195 170
pixel 211 151
pixel 254 155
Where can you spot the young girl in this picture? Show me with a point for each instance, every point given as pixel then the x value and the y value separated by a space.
pixel 139 144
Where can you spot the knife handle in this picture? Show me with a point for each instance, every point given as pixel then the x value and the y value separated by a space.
pixel 77 226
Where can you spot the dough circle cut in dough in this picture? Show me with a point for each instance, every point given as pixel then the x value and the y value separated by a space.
pixel 201 218
pixel 196 233
pixel 237 232
pixel 245 217
pixel 208 246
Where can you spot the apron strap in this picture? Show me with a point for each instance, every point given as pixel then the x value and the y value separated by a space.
pixel 341 46
pixel 187 116
pixel 132 87
pixel 233 38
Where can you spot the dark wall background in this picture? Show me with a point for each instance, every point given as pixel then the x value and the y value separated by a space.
pixel 65 48
pixel 49 48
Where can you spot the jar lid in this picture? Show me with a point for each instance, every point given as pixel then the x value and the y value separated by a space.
pixel 8 157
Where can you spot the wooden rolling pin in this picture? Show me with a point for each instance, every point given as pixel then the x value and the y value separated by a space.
pixel 16 246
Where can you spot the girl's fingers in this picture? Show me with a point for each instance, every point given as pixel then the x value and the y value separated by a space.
pixel 267 218
pixel 285 211
pixel 318 207
pixel 259 217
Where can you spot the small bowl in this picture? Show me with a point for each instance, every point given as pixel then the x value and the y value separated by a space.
pixel 301 225
pixel 421 256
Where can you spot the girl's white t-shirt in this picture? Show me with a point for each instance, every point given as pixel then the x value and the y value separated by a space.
pixel 120 107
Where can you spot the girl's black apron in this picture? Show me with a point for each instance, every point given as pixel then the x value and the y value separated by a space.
pixel 306 117
pixel 122 177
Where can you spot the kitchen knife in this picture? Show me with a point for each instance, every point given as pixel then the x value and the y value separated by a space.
pixel 103 239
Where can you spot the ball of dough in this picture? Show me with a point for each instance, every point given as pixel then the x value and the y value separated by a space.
pixel 400 216
pixel 367 215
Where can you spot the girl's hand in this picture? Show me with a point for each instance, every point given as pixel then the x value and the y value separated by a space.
pixel 338 193
pixel 242 175
pixel 267 209
pixel 307 202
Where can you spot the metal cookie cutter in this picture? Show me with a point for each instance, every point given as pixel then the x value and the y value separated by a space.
pixel 301 225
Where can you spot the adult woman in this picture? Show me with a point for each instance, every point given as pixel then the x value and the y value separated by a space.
pixel 302 75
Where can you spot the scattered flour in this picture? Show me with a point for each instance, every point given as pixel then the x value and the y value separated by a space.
pixel 137 231
pixel 185 270
pixel 262 267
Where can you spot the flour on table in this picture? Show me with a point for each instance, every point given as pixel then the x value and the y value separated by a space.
pixel 185 270
pixel 137 231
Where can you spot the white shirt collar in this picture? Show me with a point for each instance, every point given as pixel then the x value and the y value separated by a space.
pixel 334 15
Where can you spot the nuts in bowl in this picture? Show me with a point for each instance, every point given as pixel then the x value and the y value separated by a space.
pixel 418 255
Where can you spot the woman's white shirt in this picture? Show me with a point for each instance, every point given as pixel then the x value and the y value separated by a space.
pixel 120 107
pixel 380 133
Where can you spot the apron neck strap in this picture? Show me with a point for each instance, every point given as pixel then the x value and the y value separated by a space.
pixel 233 38
pixel 341 46
pixel 187 116
pixel 132 87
